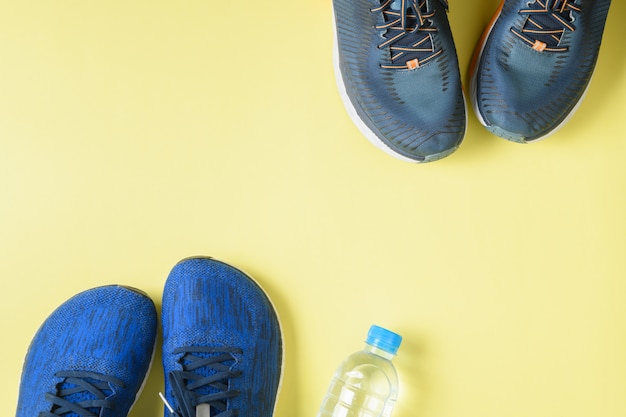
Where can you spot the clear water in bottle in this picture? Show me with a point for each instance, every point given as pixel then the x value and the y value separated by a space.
pixel 366 382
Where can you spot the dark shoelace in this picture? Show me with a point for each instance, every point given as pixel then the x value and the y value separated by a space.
pixel 204 379
pixel 408 31
pixel 546 22
pixel 82 393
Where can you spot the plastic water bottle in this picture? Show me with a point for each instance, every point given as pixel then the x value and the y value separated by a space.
pixel 366 382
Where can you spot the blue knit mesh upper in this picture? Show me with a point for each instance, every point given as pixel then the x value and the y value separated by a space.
pixel 108 331
pixel 207 303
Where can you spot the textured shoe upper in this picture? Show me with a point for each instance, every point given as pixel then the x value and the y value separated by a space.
pixel 90 355
pixel 536 64
pixel 222 343
pixel 398 63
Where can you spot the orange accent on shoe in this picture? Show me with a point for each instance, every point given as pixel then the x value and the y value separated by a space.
pixel 539 46
pixel 412 64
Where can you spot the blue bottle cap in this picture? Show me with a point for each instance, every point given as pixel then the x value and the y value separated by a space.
pixel 383 339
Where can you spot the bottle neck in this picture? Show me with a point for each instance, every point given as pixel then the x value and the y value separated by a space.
pixel 376 351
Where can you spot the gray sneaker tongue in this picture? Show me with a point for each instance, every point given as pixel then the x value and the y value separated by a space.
pixel 203 410
pixel 396 5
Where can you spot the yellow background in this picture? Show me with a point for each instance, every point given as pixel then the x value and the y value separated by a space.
pixel 137 133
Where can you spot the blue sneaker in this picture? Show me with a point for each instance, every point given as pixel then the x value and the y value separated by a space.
pixel 222 343
pixel 91 356
pixel 534 63
pixel 398 74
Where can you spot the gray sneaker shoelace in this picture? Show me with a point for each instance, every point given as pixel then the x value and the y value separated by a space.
pixel 82 393
pixel 546 22
pixel 204 379
pixel 408 31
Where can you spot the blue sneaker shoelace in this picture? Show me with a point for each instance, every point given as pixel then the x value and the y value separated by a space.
pixel 83 394
pixel 546 22
pixel 408 31
pixel 204 379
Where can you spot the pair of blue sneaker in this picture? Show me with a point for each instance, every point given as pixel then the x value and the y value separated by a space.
pixel 398 72
pixel 222 349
